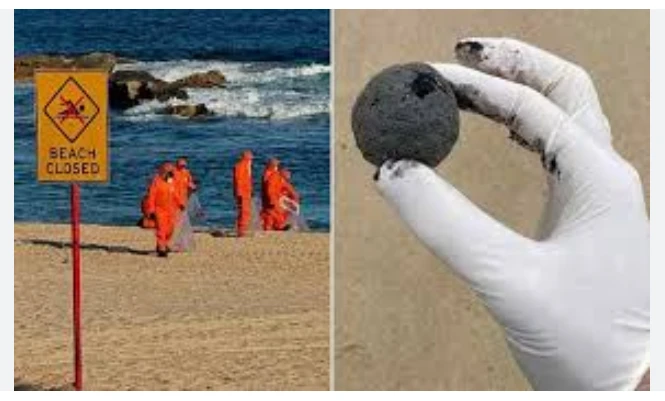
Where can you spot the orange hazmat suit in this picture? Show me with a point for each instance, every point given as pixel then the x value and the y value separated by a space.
pixel 183 180
pixel 286 191
pixel 274 215
pixel 146 220
pixel 271 167
pixel 164 203
pixel 242 191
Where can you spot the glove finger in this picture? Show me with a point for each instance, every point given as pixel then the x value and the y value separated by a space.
pixel 475 245
pixel 535 122
pixel 564 83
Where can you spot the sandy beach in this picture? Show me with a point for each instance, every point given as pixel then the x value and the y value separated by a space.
pixel 403 319
pixel 234 314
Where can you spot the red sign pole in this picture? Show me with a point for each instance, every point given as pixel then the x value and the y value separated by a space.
pixel 76 257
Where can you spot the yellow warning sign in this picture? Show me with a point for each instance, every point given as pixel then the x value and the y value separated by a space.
pixel 72 125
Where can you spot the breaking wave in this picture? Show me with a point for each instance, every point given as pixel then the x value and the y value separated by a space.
pixel 265 90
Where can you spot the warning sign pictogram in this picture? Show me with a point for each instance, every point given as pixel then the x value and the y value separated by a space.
pixel 71 109
pixel 72 125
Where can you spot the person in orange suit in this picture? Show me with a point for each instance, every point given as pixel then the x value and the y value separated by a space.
pixel 242 191
pixel 271 167
pixel 182 178
pixel 163 205
pixel 278 185
pixel 273 187
pixel 287 191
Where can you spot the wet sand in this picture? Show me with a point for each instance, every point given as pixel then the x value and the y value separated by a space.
pixel 241 314
pixel 403 320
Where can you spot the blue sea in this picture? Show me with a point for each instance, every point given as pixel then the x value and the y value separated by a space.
pixel 276 103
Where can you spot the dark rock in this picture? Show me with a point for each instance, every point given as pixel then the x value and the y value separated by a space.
pixel 105 61
pixel 210 79
pixel 129 88
pixel 406 111
pixel 166 92
pixel 188 110
pixel 133 75
pixel 24 66
pixel 120 96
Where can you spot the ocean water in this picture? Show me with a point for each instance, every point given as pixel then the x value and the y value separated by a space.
pixel 276 103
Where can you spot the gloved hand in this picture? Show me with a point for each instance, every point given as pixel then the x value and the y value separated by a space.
pixel 574 302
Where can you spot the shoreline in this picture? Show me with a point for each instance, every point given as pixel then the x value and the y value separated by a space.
pixel 204 229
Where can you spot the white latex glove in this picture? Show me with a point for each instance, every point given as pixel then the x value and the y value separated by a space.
pixel 574 303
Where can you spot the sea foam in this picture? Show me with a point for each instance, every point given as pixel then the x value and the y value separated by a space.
pixel 254 90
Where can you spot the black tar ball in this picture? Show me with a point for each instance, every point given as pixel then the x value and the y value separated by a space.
pixel 407 111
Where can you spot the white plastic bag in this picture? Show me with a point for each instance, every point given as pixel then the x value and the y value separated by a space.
pixel 183 235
